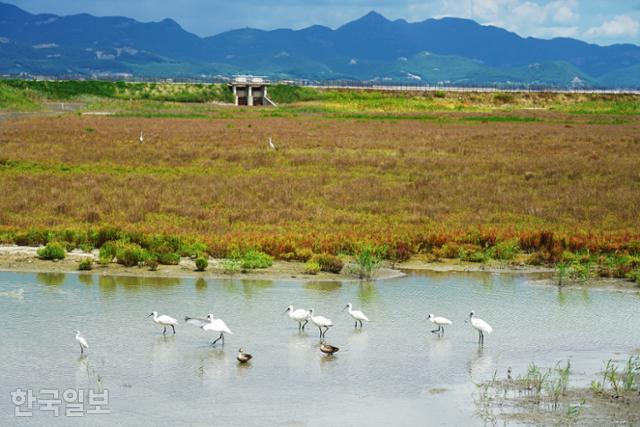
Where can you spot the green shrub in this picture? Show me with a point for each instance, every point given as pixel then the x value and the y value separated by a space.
pixel 107 252
pixel 255 259
pixel 53 251
pixel 168 258
pixel 152 263
pixel 312 267
pixel 471 255
pixel 634 276
pixel 130 254
pixel 505 251
pixel 368 262
pixel 201 263
pixel 86 264
pixel 329 263
pixel 86 247
pixel 231 266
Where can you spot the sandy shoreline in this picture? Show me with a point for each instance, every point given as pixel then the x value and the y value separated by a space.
pixel 25 259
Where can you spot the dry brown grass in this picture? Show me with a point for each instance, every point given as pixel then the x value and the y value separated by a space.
pixel 337 179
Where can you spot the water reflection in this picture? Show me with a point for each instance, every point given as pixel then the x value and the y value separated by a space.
pixel 201 284
pixel 51 279
pixel 85 279
pixel 480 366
pixel 249 288
pixel 367 292
pixel 134 284
pixel 323 287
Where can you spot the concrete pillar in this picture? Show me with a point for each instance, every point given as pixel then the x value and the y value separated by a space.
pixel 235 94
pixel 249 96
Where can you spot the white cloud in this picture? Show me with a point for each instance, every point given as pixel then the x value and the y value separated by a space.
pixel 556 18
pixel 621 25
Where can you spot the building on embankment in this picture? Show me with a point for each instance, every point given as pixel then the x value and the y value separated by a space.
pixel 251 91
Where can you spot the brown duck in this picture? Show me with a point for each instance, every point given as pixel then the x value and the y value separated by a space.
pixel 328 348
pixel 243 357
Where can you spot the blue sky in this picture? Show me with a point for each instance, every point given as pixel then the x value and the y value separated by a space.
pixel 599 21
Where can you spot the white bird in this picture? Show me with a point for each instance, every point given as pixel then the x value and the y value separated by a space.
pixel 141 137
pixel 300 315
pixel 481 326
pixel 210 324
pixel 271 144
pixel 356 314
pixel 165 321
pixel 82 342
pixel 440 322
pixel 320 322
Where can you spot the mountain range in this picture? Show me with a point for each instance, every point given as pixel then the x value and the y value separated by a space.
pixel 448 51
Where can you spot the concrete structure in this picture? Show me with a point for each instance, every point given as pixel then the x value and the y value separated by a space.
pixel 251 91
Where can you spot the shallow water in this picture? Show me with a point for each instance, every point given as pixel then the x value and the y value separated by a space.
pixel 393 371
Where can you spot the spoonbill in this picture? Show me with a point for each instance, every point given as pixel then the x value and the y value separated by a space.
pixel 243 357
pixel 210 323
pixel 299 316
pixel 481 326
pixel 440 322
pixel 82 342
pixel 165 321
pixel 356 314
pixel 320 322
pixel 328 348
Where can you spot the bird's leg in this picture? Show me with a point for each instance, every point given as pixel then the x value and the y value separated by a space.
pixel 216 340
pixel 81 349
pixel 164 331
pixel 299 326
pixel 361 323
pixel 356 325
pixel 305 324
pixel 222 336
pixel 326 328
pixel 174 329
pixel 442 328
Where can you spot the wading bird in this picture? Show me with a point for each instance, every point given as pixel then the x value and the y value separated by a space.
pixel 300 315
pixel 320 322
pixel 272 145
pixel 481 326
pixel 165 321
pixel 141 137
pixel 82 342
pixel 243 357
pixel 210 324
pixel 328 348
pixel 440 322
pixel 356 314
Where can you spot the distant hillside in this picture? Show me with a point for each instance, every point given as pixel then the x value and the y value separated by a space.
pixel 434 51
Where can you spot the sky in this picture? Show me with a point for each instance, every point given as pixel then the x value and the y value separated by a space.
pixel 599 21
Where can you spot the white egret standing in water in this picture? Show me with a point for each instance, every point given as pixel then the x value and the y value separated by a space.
pixel 440 322
pixel 210 324
pixel 481 326
pixel 165 321
pixel 300 315
pixel 356 314
pixel 320 322
pixel 82 342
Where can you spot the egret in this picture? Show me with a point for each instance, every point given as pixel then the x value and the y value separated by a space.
pixel 320 322
pixel 356 314
pixel 481 326
pixel 141 137
pixel 82 342
pixel 243 357
pixel 328 348
pixel 272 145
pixel 165 321
pixel 210 324
pixel 440 322
pixel 300 315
